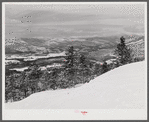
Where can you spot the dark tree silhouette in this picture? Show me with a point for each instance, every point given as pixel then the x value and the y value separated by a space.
pixel 123 53
pixel 72 66
pixel 104 67
pixel 83 67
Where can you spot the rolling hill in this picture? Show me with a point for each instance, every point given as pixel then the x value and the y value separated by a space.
pixel 120 88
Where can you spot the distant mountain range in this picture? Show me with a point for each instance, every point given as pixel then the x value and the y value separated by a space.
pixel 91 46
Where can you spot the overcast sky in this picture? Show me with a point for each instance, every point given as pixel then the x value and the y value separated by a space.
pixel 66 20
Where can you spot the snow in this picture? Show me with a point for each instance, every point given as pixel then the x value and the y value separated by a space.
pixel 31 58
pixel 54 65
pixel 49 66
pixel 120 88
pixel 16 56
pixel 42 68
pixel 136 42
pixel 56 54
pixel 19 69
pixel 110 61
pixel 11 62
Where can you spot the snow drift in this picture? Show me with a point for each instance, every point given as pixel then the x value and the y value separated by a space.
pixel 121 88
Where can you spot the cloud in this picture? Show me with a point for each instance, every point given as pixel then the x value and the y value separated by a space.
pixel 11 21
pixel 73 19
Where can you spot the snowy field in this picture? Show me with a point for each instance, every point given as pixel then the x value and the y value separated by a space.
pixel 120 88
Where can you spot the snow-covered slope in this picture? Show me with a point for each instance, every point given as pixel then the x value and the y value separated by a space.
pixel 122 88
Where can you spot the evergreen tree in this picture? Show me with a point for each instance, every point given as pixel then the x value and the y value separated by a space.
pixel 71 66
pixel 123 52
pixel 35 72
pixel 104 67
pixel 9 86
pixel 82 60
pixel 97 69
pixel 83 67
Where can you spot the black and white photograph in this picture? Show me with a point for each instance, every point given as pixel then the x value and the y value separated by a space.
pixel 74 60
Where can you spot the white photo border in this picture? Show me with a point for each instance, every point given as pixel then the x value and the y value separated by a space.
pixel 69 114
